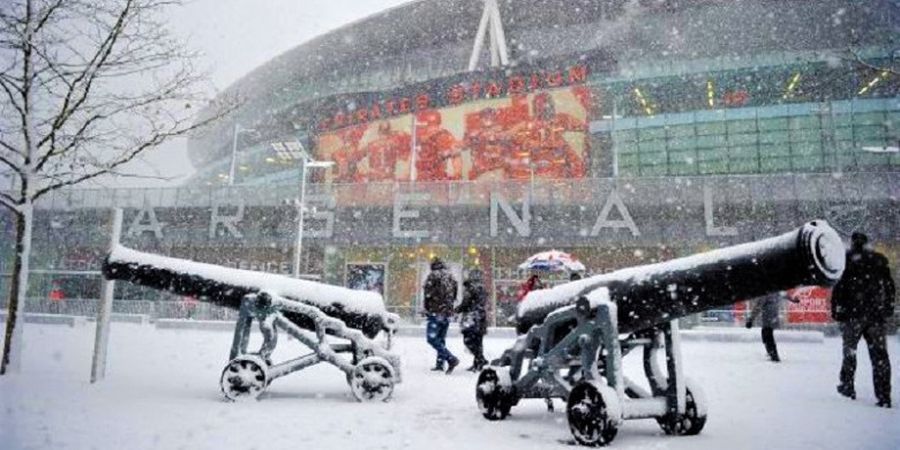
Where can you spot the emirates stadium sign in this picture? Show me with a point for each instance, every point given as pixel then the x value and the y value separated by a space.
pixel 498 85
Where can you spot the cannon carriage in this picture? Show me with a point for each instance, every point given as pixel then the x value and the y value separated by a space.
pixel 572 338
pixel 348 329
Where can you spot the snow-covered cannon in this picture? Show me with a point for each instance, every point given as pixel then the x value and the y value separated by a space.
pixel 341 326
pixel 573 337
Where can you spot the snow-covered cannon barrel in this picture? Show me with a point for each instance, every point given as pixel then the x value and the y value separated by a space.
pixel 339 325
pixel 226 286
pixel 572 338
pixel 647 295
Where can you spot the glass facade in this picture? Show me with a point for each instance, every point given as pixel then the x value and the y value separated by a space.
pixel 818 116
pixel 806 137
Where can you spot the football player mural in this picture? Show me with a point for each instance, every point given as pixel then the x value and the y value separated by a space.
pixel 542 142
pixel 438 155
pixel 387 155
pixel 488 143
pixel 543 134
pixel 346 154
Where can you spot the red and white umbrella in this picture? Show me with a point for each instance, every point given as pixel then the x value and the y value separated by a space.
pixel 552 261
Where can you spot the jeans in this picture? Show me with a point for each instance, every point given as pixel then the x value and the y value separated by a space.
pixel 436 335
pixel 874 334
pixel 768 338
pixel 474 341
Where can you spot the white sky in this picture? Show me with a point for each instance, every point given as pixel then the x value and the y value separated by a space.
pixel 235 37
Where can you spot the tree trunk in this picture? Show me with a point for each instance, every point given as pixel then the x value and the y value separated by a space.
pixel 12 342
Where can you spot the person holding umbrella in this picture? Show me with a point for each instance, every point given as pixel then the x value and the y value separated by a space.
pixel 549 261
pixel 532 283
pixel 552 261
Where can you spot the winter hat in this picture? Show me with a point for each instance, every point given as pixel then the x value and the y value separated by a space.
pixel 436 263
pixel 859 239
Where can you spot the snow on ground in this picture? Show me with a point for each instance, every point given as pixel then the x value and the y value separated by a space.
pixel 161 392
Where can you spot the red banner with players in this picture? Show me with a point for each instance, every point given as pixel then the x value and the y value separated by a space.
pixel 540 135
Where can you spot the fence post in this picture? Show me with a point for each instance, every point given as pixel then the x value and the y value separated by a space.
pixel 101 337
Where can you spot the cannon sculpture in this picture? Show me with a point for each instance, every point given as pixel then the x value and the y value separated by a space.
pixel 339 325
pixel 572 338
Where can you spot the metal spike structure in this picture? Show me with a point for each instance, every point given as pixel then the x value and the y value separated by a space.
pixel 491 27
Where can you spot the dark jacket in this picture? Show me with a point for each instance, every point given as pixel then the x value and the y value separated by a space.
pixel 865 291
pixel 473 305
pixel 440 290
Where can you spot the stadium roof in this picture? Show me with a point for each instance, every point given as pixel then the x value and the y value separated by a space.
pixel 430 38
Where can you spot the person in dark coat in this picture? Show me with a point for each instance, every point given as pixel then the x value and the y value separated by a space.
pixel 862 302
pixel 440 293
pixel 474 318
pixel 767 308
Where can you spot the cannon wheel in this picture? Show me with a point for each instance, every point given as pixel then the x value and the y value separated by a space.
pixel 591 412
pixel 244 378
pixel 689 423
pixel 372 380
pixel 494 393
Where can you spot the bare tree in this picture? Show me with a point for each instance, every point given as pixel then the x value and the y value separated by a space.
pixel 86 86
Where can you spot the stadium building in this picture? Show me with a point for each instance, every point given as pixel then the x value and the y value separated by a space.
pixel 621 131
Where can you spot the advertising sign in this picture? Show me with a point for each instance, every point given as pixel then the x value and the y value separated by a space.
pixel 814 305
pixel 542 135
pixel 503 124
pixel 366 277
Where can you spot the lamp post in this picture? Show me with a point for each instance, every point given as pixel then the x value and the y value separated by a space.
pixel 234 141
pixel 306 163
pixel 294 151
pixel 414 148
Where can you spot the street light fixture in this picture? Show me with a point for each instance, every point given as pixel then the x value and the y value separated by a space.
pixel 294 150
pixel 885 149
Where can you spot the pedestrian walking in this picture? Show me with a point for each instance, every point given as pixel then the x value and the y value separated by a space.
pixel 440 292
pixel 473 322
pixel 767 310
pixel 56 297
pixel 862 301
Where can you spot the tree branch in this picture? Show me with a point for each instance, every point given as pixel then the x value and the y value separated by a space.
pixel 9 202
pixel 8 87
pixel 47 14
pixel 9 163
pixel 153 141
pixel 86 78
pixel 162 95
pixel 857 58
pixel 108 83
